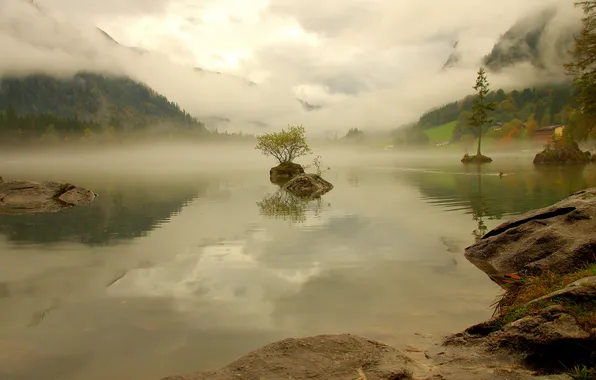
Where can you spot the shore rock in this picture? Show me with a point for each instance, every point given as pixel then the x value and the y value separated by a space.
pixel 560 238
pixel 553 331
pixel 284 172
pixel 324 357
pixel 562 154
pixel 308 185
pixel 546 340
pixel 28 197
pixel 581 290
pixel 551 327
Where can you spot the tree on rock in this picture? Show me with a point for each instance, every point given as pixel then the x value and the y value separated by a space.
pixel 286 145
pixel 479 118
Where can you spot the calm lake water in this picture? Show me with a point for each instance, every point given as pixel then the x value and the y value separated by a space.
pixel 186 262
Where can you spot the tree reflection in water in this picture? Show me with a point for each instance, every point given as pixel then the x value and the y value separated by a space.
pixel 286 206
pixel 480 209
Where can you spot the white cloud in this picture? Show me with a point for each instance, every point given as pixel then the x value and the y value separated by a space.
pixel 373 63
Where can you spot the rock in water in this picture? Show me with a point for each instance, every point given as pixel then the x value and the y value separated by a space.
pixel 323 357
pixel 28 197
pixel 307 185
pixel 284 172
pixel 476 159
pixel 559 238
pixel 561 154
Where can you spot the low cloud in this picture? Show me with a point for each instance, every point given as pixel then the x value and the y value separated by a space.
pixel 370 63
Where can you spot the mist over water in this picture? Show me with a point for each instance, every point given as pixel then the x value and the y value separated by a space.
pixel 179 265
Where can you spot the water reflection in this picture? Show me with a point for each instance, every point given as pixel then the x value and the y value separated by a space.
pixel 218 277
pixel 121 212
pixel 286 206
pixel 483 193
pixel 480 208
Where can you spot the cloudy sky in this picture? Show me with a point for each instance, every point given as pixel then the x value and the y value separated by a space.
pixel 371 62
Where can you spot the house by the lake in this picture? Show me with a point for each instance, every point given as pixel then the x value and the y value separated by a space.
pixel 546 134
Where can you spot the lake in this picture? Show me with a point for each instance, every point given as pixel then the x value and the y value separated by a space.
pixel 186 261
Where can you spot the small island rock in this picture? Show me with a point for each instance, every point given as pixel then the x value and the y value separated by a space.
pixel 28 197
pixel 476 159
pixel 562 154
pixel 284 172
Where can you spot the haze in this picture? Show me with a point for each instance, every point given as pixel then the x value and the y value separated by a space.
pixel 369 63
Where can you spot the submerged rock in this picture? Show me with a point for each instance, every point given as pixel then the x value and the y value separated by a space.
pixel 307 185
pixel 323 357
pixel 559 238
pixel 28 197
pixel 562 153
pixel 284 172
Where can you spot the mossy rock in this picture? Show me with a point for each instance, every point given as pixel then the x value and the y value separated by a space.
pixel 476 159
pixel 563 153
pixel 284 172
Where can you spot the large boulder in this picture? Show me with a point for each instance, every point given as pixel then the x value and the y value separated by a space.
pixel 562 153
pixel 560 238
pixel 307 185
pixel 284 172
pixel 28 197
pixel 323 357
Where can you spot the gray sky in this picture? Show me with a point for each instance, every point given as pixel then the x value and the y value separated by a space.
pixel 372 62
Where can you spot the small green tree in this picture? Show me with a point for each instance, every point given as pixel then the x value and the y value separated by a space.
pixel 286 145
pixel 481 107
pixel 316 162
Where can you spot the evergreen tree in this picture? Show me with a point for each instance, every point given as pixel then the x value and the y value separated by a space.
pixel 481 107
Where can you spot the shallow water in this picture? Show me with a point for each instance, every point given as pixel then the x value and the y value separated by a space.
pixel 176 268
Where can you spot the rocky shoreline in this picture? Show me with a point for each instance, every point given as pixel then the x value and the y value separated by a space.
pixel 544 324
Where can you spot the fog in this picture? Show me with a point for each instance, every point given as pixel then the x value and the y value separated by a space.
pixel 370 64
pixel 187 159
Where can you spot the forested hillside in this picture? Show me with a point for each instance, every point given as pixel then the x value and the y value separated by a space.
pixel 35 106
pixel 38 105
pixel 517 112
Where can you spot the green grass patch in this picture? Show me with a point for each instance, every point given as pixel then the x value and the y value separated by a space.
pixel 514 303
pixel 582 373
pixel 441 133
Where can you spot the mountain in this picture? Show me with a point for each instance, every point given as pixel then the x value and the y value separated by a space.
pixel 542 39
pixel 211 72
pixel 117 101
pixel 85 99
pixel 454 57
pixel 309 107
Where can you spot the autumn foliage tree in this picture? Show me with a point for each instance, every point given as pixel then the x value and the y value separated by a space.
pixel 286 145
pixel 531 126
pixel 583 68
